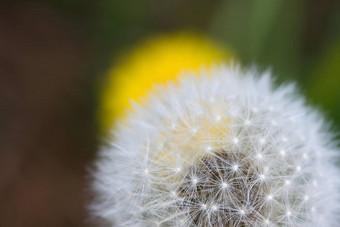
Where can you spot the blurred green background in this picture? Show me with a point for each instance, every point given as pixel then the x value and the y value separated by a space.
pixel 297 39
pixel 54 54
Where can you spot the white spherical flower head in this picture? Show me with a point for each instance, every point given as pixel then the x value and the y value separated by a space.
pixel 221 149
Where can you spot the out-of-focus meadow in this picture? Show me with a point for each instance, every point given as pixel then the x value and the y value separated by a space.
pixel 55 55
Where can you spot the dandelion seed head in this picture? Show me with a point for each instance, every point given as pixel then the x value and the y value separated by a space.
pixel 178 169
pixel 298 168
pixel 235 140
pixel 224 185
pixel 247 122
pixel 259 156
pixel 269 197
pixel 262 140
pixel 214 208
pixel 231 155
pixel 235 167
pixel 282 152
pixel 194 180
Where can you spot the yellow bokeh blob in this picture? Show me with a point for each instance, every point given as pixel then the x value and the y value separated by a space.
pixel 156 60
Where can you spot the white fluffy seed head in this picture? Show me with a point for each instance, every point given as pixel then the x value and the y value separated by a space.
pixel 234 152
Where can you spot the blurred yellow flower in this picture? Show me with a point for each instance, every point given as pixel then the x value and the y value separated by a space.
pixel 156 60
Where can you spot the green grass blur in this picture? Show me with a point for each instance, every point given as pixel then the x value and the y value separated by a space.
pixel 297 39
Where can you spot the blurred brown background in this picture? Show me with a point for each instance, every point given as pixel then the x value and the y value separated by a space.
pixel 53 53
pixel 46 135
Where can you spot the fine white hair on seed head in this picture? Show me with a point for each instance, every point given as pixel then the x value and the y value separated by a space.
pixel 224 148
